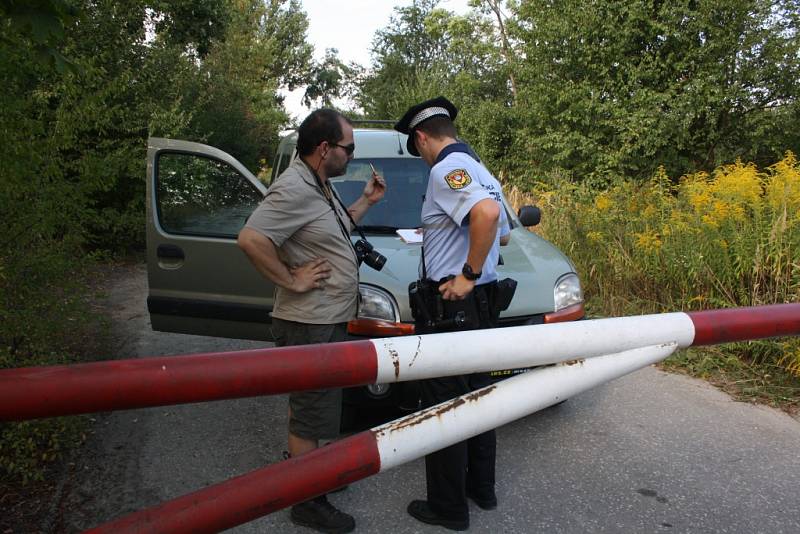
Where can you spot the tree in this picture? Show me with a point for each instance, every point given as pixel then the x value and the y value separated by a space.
pixel 85 84
pixel 234 94
pixel 399 51
pixel 330 79
pixel 625 86
pixel 496 8
pixel 457 53
pixel 426 51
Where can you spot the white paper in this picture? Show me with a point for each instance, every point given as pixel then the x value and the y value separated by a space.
pixel 410 235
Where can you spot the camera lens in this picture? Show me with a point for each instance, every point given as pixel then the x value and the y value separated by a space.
pixel 366 253
pixel 375 260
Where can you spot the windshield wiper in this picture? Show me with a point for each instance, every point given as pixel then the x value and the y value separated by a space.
pixel 375 229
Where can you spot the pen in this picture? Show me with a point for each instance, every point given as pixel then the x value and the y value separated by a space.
pixel 373 169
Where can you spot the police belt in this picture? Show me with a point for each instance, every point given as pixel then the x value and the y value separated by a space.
pixel 480 309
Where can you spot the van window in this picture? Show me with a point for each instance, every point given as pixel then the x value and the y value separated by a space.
pixel 198 195
pixel 406 182
pixel 276 168
pixel 284 159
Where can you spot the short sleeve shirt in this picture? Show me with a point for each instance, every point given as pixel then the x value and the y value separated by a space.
pixel 456 183
pixel 297 217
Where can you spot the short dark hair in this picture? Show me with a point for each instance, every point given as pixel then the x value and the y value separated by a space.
pixel 321 125
pixel 438 127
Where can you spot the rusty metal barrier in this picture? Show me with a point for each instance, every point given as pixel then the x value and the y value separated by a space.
pixel 588 353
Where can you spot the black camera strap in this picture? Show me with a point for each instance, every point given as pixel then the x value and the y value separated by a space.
pixel 349 215
pixel 422 250
pixel 345 233
pixel 422 255
pixel 326 193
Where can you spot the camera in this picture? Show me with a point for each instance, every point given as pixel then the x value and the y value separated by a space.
pixel 367 254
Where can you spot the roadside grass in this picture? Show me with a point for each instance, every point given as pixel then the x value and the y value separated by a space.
pixel 703 241
pixel 736 373
pixel 50 317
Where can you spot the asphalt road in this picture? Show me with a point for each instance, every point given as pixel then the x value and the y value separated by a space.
pixel 650 452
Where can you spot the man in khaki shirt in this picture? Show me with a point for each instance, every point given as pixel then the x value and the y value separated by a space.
pixel 299 238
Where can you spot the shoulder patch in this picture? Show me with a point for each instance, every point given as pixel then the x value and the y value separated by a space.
pixel 458 179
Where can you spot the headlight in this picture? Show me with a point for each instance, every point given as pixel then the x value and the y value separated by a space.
pixel 377 304
pixel 567 291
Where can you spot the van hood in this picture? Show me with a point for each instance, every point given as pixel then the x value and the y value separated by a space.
pixel 532 261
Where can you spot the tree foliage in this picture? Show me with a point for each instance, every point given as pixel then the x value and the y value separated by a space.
pixel 205 71
pixel 601 87
pixel 85 84
pixel 330 79
pixel 463 61
pixel 627 86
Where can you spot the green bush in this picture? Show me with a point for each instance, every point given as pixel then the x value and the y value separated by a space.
pixel 46 318
pixel 28 446
pixel 718 240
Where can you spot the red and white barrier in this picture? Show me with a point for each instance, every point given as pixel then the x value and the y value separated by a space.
pixel 587 353
pixel 32 392
pixel 280 485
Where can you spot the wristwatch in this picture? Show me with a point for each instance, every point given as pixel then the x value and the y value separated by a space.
pixel 466 270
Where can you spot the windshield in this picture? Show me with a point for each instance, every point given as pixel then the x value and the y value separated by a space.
pixel 406 181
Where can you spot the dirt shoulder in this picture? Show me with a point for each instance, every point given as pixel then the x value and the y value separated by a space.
pixel 37 507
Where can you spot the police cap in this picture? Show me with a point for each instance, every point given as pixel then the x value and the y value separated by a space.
pixel 418 114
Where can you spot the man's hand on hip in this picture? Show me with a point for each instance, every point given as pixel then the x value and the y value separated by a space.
pixel 310 275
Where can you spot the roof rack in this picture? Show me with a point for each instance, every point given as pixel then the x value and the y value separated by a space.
pixel 372 121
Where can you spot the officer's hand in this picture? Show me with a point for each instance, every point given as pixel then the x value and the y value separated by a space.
pixel 310 275
pixel 375 188
pixel 456 288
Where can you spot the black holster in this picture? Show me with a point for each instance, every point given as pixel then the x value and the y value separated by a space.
pixel 505 292
pixel 480 309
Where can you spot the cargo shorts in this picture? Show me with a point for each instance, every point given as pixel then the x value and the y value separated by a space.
pixel 315 414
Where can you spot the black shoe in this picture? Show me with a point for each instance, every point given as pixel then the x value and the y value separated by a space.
pixel 322 516
pixel 484 503
pixel 421 511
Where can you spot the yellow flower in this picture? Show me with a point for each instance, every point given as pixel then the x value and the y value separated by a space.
pixel 738 184
pixel 783 185
pixel 710 221
pixel 649 211
pixel 727 196
pixel 697 190
pixel 603 202
pixel 648 241
pixel 594 237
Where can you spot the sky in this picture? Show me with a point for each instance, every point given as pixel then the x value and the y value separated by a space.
pixel 349 26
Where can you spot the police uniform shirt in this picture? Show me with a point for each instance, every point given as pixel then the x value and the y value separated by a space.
pixel 456 183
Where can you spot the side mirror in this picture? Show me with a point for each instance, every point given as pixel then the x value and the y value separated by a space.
pixel 529 215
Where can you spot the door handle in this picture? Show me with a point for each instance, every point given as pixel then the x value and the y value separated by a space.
pixel 170 251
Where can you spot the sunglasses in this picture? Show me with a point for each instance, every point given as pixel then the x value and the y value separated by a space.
pixel 349 149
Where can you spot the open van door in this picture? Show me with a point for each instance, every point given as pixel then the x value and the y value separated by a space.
pixel 198 198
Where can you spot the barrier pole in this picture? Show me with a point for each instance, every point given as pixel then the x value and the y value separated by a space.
pixel 33 392
pixel 247 497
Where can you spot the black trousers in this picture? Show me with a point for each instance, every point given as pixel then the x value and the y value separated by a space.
pixel 465 466
pixel 468 466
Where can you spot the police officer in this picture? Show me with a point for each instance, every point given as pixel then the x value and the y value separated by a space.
pixel 458 290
